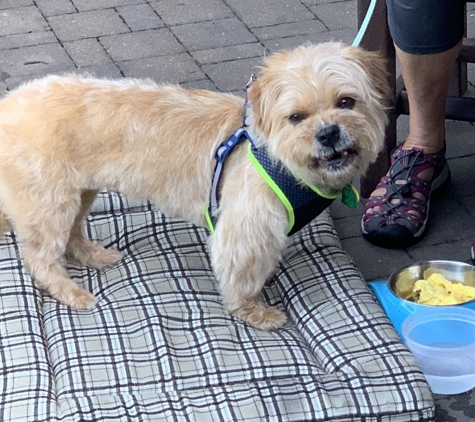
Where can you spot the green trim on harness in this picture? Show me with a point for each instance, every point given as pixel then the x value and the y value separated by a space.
pixel 323 194
pixel 275 188
pixel 208 220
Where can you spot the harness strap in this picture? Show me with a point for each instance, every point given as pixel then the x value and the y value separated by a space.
pixel 222 153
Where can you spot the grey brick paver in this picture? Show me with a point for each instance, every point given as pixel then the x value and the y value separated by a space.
pixel 277 44
pixel 460 139
pixel 201 84
pixel 308 28
pixel 461 185
pixel 341 211
pixel 270 12
pixel 87 52
pixel 232 75
pixel 206 35
pixel 25 40
pixel 139 17
pixel 105 70
pixel 191 11
pixel 443 226
pixel 87 24
pixel 21 20
pixel 347 227
pixel 9 4
pixel 166 69
pixel 347 15
pixel 84 5
pixel 55 7
pixel 317 2
pixel 157 42
pixel 468 204
pixel 373 262
pixel 232 52
pixel 458 250
pixel 36 60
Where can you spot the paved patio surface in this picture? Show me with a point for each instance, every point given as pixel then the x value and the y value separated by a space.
pixel 217 44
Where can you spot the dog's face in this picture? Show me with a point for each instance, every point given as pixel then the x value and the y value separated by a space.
pixel 321 111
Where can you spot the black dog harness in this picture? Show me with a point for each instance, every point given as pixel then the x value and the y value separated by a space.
pixel 302 202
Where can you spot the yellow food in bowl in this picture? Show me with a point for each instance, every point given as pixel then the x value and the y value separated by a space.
pixel 437 290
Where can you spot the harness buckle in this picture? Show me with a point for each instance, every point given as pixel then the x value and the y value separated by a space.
pixel 225 149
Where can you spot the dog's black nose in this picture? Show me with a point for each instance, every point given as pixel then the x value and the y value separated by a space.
pixel 328 135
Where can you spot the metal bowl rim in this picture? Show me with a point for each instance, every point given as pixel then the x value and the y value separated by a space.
pixel 425 262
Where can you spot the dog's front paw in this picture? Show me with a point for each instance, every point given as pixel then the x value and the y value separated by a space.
pixel 95 256
pixel 262 317
pixel 72 295
pixel 105 258
pixel 82 299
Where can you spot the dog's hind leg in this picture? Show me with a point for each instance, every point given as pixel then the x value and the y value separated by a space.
pixel 43 223
pixel 83 249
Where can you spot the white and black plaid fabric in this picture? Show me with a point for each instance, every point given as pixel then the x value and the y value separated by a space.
pixel 160 345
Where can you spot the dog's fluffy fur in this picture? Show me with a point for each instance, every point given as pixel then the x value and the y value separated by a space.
pixel 62 138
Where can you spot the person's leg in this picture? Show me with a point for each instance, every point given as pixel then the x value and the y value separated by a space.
pixel 427 35
pixel 426 78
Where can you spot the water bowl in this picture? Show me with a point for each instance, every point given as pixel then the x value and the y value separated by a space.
pixel 442 339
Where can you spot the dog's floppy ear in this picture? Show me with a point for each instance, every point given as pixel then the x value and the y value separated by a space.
pixel 267 88
pixel 376 66
pixel 259 100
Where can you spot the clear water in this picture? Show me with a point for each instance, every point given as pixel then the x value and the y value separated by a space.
pixel 447 344
pixel 450 374
pixel 451 385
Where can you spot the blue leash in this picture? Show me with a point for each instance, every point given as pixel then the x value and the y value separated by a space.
pixel 364 25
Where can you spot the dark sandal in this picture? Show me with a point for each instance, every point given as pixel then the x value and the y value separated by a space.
pixel 398 218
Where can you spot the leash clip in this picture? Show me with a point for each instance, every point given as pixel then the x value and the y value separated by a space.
pixel 251 80
pixel 245 120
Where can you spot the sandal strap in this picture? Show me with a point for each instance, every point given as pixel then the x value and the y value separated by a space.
pixel 398 205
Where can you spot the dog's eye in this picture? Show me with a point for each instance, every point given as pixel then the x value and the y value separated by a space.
pixel 346 102
pixel 297 117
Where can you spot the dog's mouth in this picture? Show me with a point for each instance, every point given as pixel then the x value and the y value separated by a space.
pixel 334 160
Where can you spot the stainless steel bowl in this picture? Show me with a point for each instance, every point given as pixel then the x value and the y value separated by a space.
pixel 401 282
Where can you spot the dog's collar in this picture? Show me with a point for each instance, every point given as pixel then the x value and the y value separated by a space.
pixel 302 202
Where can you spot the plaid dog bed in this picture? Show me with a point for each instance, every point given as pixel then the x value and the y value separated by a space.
pixel 160 345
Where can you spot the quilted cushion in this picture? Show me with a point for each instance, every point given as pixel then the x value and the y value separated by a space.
pixel 160 345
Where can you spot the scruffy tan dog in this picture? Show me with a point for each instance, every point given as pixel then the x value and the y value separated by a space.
pixel 62 138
